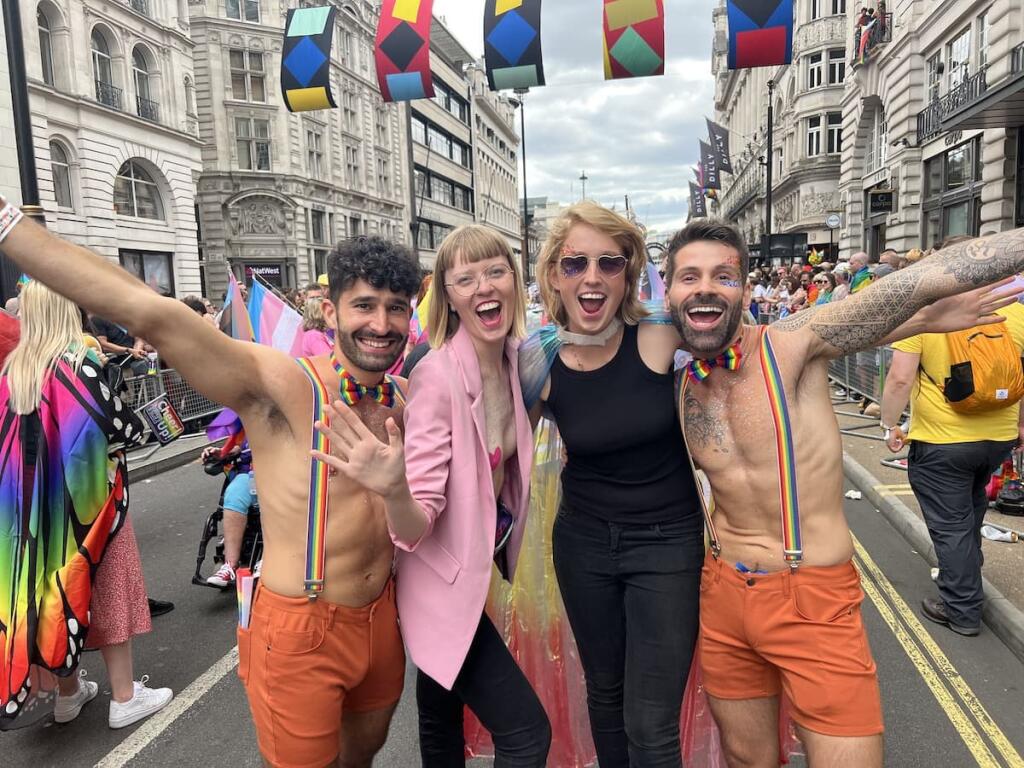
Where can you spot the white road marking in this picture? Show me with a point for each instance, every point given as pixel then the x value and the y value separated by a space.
pixel 124 752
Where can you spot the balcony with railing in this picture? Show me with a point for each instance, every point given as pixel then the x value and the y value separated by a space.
pixel 108 94
pixel 866 38
pixel 147 109
pixel 745 187
pixel 929 119
pixel 142 6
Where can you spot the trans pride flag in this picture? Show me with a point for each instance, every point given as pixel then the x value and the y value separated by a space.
pixel 274 323
pixel 234 318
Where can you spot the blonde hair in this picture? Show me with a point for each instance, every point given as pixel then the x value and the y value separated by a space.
pixel 469 244
pixel 626 235
pixel 313 315
pixel 51 327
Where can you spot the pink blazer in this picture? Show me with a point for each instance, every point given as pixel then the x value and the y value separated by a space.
pixel 444 577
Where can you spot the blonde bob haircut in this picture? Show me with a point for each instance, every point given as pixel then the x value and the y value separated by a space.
pixel 467 245
pixel 609 223
pixel 51 327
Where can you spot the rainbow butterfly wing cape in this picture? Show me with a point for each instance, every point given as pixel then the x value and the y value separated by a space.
pixel 58 511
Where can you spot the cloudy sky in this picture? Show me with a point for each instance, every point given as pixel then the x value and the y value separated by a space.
pixel 637 137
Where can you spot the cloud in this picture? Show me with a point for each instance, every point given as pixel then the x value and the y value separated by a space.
pixel 636 137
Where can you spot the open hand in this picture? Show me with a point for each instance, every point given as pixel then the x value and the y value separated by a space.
pixel 966 310
pixel 358 454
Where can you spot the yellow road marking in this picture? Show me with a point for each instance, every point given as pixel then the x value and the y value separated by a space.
pixel 938 670
pixel 896 489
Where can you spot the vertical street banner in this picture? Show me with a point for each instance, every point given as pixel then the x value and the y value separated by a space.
pixel 709 167
pixel 402 50
pixel 634 38
pixel 306 59
pixel 760 33
pixel 720 145
pixel 512 50
pixel 698 209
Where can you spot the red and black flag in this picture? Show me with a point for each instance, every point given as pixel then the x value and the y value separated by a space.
pixel 720 145
pixel 760 33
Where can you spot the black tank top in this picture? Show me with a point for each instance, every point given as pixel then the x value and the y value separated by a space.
pixel 627 459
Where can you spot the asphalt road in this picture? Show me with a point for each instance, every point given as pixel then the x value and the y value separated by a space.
pixel 949 701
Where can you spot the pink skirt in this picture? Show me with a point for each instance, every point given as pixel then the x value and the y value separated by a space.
pixel 118 606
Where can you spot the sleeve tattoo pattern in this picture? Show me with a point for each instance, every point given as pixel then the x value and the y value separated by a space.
pixel 860 321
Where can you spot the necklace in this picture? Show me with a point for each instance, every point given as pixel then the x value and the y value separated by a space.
pixel 588 340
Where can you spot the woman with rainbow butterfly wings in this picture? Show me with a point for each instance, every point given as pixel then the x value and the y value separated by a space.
pixel 63 494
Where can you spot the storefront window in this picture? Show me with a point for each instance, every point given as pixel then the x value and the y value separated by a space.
pixel 958 166
pixel 152 268
pixel 952 202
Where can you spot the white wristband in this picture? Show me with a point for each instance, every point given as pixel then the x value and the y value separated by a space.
pixel 9 217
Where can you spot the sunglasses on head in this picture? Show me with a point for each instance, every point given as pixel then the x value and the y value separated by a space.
pixel 607 264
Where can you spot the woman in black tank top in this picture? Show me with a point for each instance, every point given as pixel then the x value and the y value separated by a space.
pixel 627 542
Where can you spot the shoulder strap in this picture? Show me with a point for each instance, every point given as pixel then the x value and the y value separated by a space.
pixel 681 382
pixel 792 549
pixel 316 522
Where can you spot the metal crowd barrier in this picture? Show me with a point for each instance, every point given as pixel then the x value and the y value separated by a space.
pixel 191 406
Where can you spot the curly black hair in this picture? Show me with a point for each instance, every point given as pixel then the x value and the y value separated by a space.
pixel 380 262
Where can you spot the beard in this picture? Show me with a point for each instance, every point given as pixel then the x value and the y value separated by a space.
pixel 710 343
pixel 368 362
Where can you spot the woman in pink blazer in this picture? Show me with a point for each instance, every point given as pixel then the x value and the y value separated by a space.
pixel 456 497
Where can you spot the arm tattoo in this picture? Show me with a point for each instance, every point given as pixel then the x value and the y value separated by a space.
pixel 704 425
pixel 862 320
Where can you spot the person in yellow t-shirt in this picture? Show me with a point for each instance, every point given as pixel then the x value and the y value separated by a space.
pixel 952 456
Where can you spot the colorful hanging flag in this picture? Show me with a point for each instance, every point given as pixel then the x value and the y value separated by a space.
pixel 698 174
pixel 512 51
pixel 234 317
pixel 402 50
pixel 698 208
pixel 760 33
pixel 634 38
pixel 306 59
pixel 709 167
pixel 720 144
pixel 651 287
pixel 274 323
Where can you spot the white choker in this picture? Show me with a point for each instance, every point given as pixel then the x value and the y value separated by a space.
pixel 588 340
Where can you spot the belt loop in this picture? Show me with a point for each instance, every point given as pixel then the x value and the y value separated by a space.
pixel 787 576
pixel 331 611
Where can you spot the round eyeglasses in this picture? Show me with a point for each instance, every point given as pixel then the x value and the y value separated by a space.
pixel 466 284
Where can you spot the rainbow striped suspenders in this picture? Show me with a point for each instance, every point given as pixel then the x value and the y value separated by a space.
pixel 788 496
pixel 316 522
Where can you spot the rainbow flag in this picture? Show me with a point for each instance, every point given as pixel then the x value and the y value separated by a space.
pixel 234 317
pixel 274 323
pixel 418 330
pixel 652 287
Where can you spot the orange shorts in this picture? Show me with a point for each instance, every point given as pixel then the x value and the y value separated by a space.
pixel 304 664
pixel 799 633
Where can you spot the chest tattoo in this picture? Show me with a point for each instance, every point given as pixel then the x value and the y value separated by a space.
pixel 705 424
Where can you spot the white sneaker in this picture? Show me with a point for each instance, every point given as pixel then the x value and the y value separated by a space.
pixel 144 703
pixel 68 707
pixel 225 577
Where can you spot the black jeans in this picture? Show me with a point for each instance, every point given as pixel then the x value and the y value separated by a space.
pixel 631 593
pixel 493 686
pixel 949 483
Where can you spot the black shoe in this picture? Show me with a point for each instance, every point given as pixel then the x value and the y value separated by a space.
pixel 935 610
pixel 159 607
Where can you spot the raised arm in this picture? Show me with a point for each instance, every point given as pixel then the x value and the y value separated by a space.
pixel 872 316
pixel 222 369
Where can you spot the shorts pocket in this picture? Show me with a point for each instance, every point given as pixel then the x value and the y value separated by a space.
pixel 296 635
pixel 244 647
pixel 826 605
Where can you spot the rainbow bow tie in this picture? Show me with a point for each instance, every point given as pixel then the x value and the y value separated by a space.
pixel 352 391
pixel 698 370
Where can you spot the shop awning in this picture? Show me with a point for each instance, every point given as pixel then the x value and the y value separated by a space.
pixel 1001 106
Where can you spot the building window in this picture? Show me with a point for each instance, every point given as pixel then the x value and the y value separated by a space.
pixel 419 131
pixel 145 106
pixel 933 68
pixel 814 72
pixel 430 234
pixel 102 72
pixel 814 136
pixel 380 126
pixel 958 54
pixel 61 170
pixel 154 269
pixel 350 111
pixel 316 227
pixel 352 170
pixel 834 125
pixel 451 102
pixel 315 153
pixel 383 175
pixel 348 49
pixel 836 66
pixel 354 226
pixel 838 7
pixel 45 47
pixel 252 139
pixel 136 194
pixel 247 76
pixel 983 41
pixel 244 10
pixel 877 151
pixel 952 202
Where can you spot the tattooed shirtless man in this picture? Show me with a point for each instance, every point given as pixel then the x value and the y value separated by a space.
pixel 780 594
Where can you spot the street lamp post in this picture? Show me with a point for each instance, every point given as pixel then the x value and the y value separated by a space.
pixel 583 181
pixel 521 93
pixel 768 174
